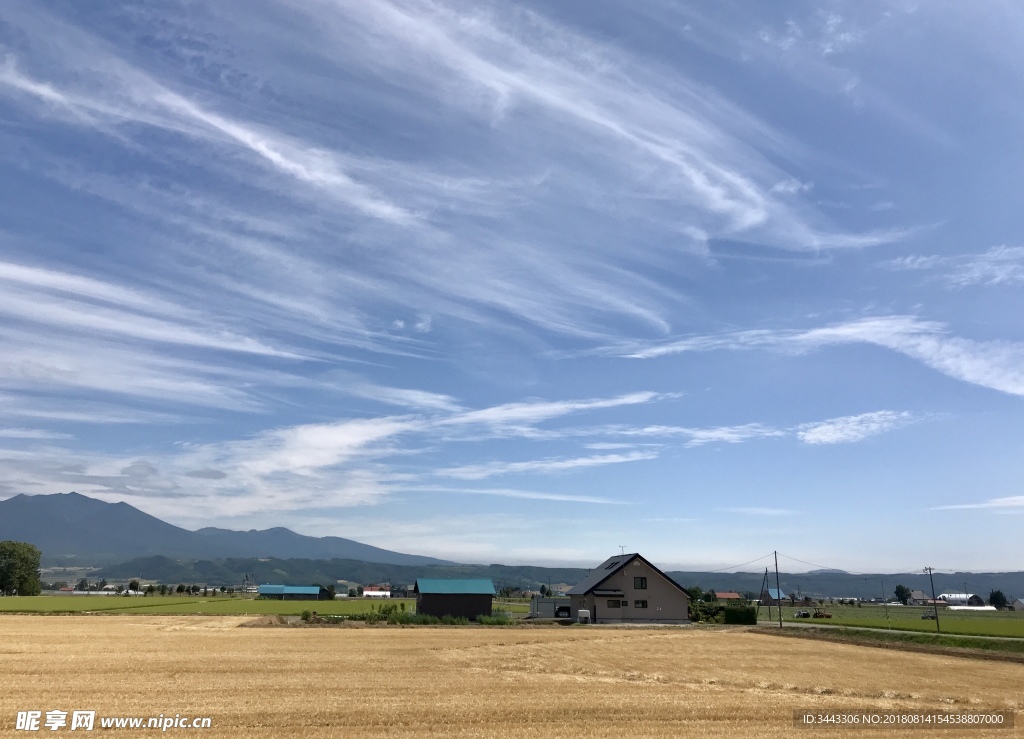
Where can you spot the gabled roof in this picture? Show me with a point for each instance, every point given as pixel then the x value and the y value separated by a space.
pixel 728 595
pixel 775 594
pixel 608 568
pixel 455 587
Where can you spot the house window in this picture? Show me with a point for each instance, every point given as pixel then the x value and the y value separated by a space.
pixel 613 603
pixel 639 604
pixel 640 583
pixel 625 604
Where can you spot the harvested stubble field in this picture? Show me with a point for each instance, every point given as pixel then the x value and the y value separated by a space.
pixel 473 682
pixel 210 606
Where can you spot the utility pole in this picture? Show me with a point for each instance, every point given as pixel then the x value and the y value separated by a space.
pixel 938 628
pixel 764 589
pixel 886 602
pixel 778 589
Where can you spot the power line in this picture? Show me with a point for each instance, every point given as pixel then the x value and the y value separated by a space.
pixel 743 564
pixel 812 564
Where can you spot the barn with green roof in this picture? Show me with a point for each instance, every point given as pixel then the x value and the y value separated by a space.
pixel 467 598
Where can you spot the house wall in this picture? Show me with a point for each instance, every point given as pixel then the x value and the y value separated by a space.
pixel 454 604
pixel 666 603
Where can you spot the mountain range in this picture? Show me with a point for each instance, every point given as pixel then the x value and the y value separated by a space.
pixel 119 541
pixel 71 528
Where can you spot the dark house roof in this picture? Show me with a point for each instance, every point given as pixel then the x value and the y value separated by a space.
pixel 455 587
pixel 608 568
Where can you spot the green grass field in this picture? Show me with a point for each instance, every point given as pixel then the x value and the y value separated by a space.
pixel 908 618
pixel 219 605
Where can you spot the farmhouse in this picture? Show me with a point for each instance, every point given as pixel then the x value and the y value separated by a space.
pixel 460 598
pixel 376 591
pixel 629 589
pixel 1017 605
pixel 294 592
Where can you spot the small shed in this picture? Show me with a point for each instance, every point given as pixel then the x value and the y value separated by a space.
pixel 470 598
pixel 294 592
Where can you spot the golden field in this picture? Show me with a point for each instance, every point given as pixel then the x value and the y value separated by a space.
pixel 472 682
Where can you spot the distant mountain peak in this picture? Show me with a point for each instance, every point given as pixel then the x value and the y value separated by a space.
pixel 75 525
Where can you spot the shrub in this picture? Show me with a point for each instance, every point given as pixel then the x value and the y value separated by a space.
pixel 740 615
pixel 306 615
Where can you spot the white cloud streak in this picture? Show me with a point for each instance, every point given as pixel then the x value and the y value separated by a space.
pixel 998 365
pixel 1000 265
pixel 491 469
pixel 1011 504
pixel 848 429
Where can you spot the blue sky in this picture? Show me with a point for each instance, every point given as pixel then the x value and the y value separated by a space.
pixel 523 282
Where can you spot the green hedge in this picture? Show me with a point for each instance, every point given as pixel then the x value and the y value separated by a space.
pixel 741 615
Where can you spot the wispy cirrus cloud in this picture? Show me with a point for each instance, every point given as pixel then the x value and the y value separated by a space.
pixel 491 469
pixel 340 464
pixel 1000 265
pixel 998 365
pixel 846 429
pixel 515 493
pixel 36 434
pixel 1011 504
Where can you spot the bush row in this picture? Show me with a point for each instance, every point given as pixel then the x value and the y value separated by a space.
pixel 396 615
pixel 715 613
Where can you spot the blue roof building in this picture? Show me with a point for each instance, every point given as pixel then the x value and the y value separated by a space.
pixel 772 596
pixel 294 592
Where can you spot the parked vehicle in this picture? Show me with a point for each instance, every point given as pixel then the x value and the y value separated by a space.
pixel 930 613
pixel 801 614
pixel 821 613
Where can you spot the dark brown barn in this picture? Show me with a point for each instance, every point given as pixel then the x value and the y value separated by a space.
pixel 466 598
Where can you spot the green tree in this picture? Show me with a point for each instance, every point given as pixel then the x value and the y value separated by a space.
pixel 902 593
pixel 180 589
pixel 162 589
pixel 83 585
pixel 134 585
pixel 19 568
pixel 998 599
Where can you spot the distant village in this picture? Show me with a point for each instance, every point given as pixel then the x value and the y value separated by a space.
pixel 626 588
